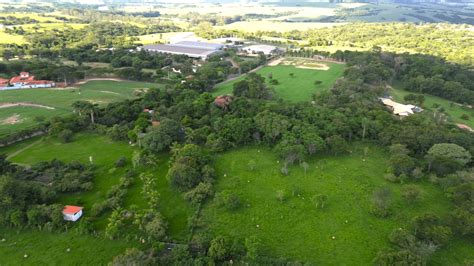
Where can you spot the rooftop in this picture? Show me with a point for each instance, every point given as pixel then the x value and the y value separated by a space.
pixel 173 49
pixel 200 45
pixel 69 209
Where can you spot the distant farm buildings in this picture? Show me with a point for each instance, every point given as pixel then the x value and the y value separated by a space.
pixel 400 109
pixel 261 49
pixel 199 50
pixel 24 81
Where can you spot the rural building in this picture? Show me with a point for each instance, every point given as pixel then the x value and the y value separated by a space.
pixel 399 108
pixel 4 83
pixel 72 213
pixel 200 45
pixel 261 48
pixel 25 81
pixel 223 101
pixel 199 50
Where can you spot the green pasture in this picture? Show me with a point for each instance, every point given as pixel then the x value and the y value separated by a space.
pixel 98 92
pixel 453 110
pixel 104 154
pixel 344 232
pixel 13 119
pixel 299 87
pixel 45 248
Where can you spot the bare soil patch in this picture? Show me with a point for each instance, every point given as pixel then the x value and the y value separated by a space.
pixel 306 63
pixel 7 105
pixel 14 119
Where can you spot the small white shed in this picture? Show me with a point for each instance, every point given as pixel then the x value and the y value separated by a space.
pixel 72 213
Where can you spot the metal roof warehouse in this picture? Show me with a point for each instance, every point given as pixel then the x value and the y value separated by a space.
pixel 200 50
pixel 201 45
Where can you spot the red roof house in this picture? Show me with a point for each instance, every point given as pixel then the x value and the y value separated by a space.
pixel 25 79
pixel 72 213
pixel 4 82
pixel 223 101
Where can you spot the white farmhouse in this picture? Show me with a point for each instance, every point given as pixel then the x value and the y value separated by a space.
pixel 72 213
pixel 400 109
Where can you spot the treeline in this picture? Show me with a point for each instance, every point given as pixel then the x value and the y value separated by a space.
pixel 12 20
pixel 451 42
pixel 96 35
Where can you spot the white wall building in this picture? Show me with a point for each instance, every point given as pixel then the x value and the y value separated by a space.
pixel 72 213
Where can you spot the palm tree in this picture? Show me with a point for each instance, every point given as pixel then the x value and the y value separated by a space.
pixel 85 107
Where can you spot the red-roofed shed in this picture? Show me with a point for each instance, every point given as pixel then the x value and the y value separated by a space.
pixel 72 213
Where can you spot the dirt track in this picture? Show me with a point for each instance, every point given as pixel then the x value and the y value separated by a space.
pixel 7 105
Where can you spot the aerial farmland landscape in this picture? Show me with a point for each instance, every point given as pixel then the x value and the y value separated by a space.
pixel 247 132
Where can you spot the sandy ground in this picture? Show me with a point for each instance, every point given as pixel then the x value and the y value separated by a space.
pixel 466 127
pixel 14 119
pixel 7 105
pixel 299 63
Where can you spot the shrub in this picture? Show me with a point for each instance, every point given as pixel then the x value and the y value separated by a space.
pixel 381 201
pixel 228 200
pixel 121 162
pixel 197 195
pixel 411 193
pixel 392 178
pixel 65 136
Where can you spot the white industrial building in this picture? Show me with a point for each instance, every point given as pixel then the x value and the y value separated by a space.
pixel 200 50
pixel 261 48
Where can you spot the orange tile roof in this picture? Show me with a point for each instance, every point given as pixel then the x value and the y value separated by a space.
pixel 69 209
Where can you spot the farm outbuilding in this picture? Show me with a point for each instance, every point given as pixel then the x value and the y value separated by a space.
pixel 72 213
pixel 399 108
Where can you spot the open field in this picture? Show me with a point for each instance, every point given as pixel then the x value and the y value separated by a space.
pixel 44 248
pixel 264 25
pixel 99 92
pixel 299 87
pixel 6 38
pixel 452 109
pixel 294 228
pixel 105 153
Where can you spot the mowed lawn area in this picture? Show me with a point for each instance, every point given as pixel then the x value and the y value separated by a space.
pixel 99 92
pixel 452 109
pixel 104 154
pixel 297 87
pixel 44 248
pixel 344 232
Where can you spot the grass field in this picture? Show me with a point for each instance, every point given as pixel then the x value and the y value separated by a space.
pixel 452 109
pixel 295 228
pixel 44 248
pixel 300 87
pixel 278 26
pixel 105 153
pixel 99 92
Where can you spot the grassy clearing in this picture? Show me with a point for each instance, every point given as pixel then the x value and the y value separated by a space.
pixel 264 25
pixel 23 117
pixel 295 228
pixel 452 109
pixel 44 248
pixel 300 87
pixel 105 153
pixel 99 92
pixel 6 38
